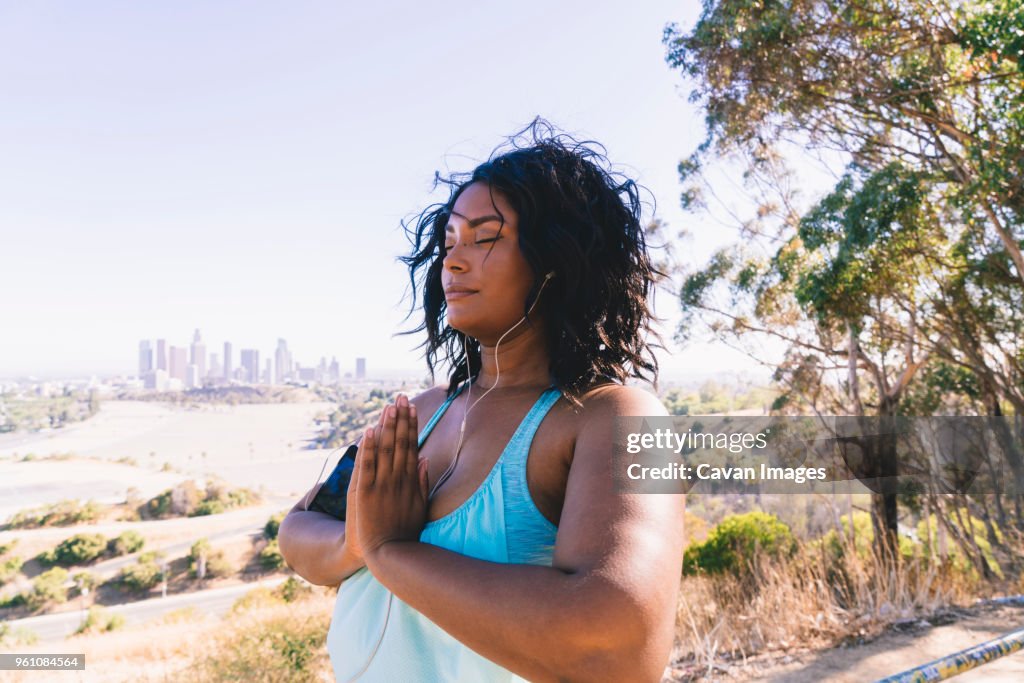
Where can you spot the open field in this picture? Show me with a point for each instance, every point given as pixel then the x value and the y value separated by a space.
pixel 262 447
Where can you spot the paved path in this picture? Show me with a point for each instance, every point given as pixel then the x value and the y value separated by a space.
pixel 216 601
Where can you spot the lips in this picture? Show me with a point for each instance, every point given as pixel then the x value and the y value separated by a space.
pixel 458 292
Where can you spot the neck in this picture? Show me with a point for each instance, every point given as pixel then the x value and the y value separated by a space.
pixel 522 358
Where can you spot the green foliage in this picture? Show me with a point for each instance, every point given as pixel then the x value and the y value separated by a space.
pixel 48 589
pixel 79 549
pixel 9 568
pixel 98 620
pixel 862 541
pixel 84 580
pixel 270 557
pixel 216 565
pixel 293 589
pixel 735 542
pixel 144 575
pixel 927 533
pixel 127 543
pixel 272 526
pixel 14 637
pixel 281 648
pixel 64 513
pixel 186 499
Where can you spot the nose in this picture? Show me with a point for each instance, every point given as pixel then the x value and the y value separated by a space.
pixel 455 259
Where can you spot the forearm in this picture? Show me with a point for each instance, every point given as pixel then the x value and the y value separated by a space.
pixel 542 623
pixel 313 544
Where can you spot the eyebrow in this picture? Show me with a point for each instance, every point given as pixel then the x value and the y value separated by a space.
pixel 476 221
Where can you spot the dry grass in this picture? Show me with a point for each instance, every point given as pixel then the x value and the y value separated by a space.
pixel 263 638
pixel 813 600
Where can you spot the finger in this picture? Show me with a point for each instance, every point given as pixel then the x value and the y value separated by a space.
pixel 386 447
pixel 379 427
pixel 414 445
pixel 405 453
pixel 366 462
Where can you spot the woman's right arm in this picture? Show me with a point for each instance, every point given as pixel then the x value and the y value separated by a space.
pixel 313 544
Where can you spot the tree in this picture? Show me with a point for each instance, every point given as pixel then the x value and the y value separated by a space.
pixel 917 249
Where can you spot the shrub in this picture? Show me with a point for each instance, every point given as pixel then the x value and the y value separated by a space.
pixel 204 562
pixel 186 499
pixel 84 580
pixel 48 589
pixel 271 558
pixel 13 637
pixel 9 568
pixel 64 513
pixel 733 544
pixel 143 575
pixel 79 549
pixel 99 621
pixel 292 589
pixel 273 525
pixel 286 646
pixel 208 507
pixel 127 543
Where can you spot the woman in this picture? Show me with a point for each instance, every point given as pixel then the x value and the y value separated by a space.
pixel 497 548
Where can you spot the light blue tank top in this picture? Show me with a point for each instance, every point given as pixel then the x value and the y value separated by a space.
pixel 499 522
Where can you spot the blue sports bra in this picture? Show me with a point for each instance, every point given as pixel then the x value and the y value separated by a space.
pixel 374 636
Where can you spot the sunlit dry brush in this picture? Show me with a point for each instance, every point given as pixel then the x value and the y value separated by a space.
pixel 815 598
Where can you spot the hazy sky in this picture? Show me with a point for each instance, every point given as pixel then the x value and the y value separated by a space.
pixel 242 167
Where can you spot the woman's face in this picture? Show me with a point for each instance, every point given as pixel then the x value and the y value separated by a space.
pixel 485 278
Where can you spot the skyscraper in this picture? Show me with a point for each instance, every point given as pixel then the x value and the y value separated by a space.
pixel 178 363
pixel 214 371
pixel 360 368
pixel 251 366
pixel 161 354
pixel 145 357
pixel 228 367
pixel 198 355
pixel 282 362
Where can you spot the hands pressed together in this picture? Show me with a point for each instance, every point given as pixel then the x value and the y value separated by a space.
pixel 388 491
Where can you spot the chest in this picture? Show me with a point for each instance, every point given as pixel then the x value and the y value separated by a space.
pixel 489 436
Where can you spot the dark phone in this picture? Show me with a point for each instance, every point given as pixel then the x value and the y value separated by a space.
pixel 332 498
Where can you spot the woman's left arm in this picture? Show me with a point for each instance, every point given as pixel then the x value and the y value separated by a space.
pixel 604 610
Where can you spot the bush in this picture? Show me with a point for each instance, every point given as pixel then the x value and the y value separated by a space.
pixel 127 543
pixel 187 500
pixel 79 549
pixel 48 589
pixel 206 563
pixel 208 507
pixel 271 558
pixel 64 513
pixel 143 575
pixel 84 580
pixel 733 544
pixel 9 568
pixel 292 589
pixel 273 525
pixel 288 645
pixel 99 621
pixel 10 638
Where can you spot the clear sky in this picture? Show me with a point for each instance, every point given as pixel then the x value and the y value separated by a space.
pixel 242 167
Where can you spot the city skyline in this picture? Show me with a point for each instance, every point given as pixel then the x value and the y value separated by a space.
pixel 163 366
pixel 239 185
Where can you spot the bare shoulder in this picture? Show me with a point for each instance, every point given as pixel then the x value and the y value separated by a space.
pixel 608 401
pixel 429 401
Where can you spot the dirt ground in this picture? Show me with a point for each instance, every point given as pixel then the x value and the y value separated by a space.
pixel 893 652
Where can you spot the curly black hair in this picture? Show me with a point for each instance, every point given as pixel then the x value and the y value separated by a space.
pixel 577 218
